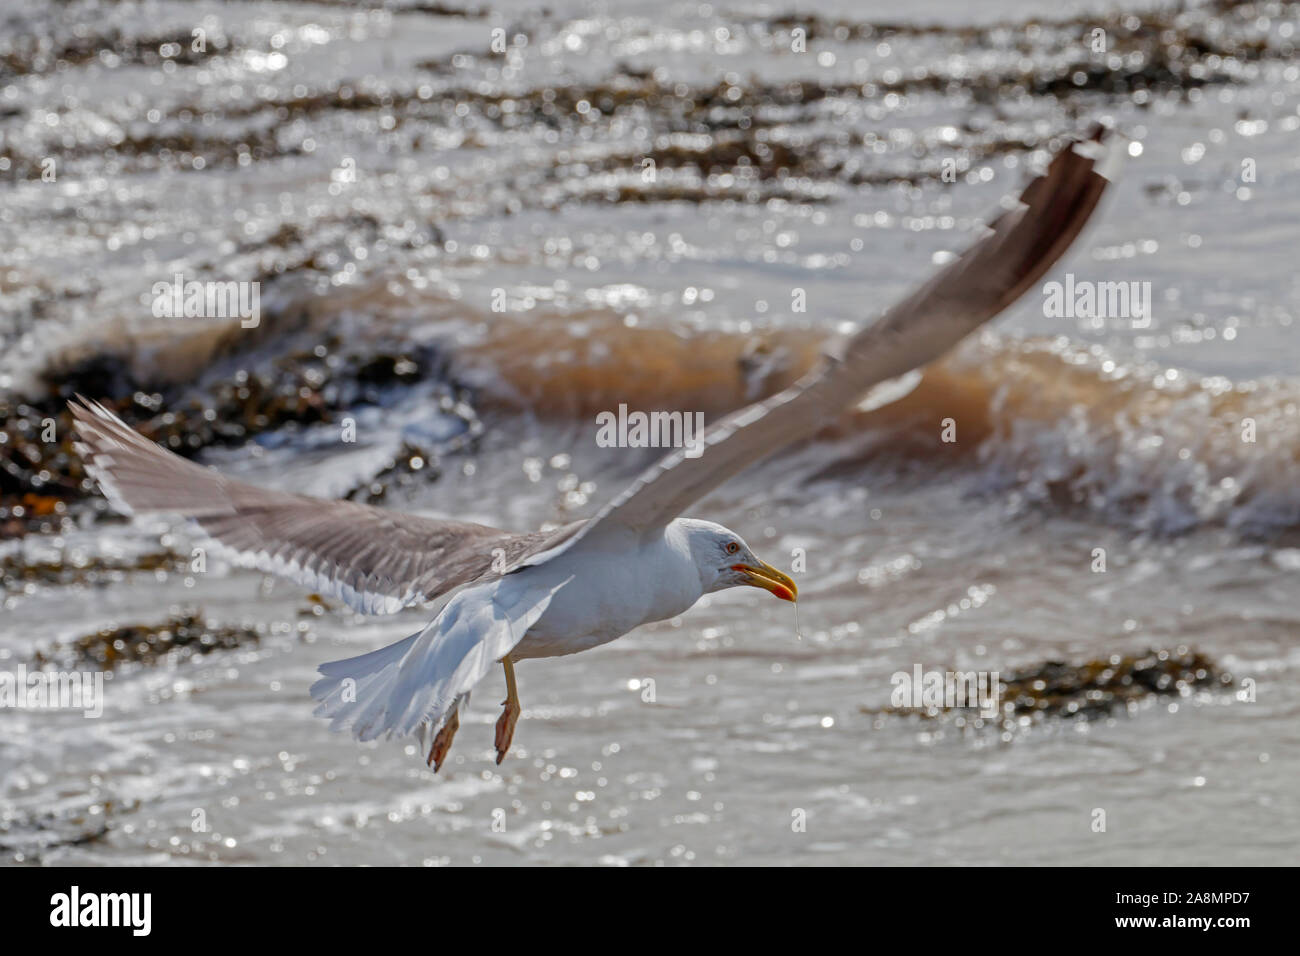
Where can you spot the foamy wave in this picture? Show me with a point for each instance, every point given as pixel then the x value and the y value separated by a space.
pixel 1161 450
pixel 1048 420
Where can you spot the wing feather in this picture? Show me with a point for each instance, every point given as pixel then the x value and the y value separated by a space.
pixel 1019 248
pixel 378 561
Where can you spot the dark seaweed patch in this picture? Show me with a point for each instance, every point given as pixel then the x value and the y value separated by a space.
pixel 186 635
pixel 1098 688
pixel 25 55
pixel 16 574
pixel 1158 52
pixel 1092 690
pixel 40 479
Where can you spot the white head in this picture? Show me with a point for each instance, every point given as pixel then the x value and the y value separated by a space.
pixel 725 561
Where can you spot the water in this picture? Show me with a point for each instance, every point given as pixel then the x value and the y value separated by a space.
pixel 378 217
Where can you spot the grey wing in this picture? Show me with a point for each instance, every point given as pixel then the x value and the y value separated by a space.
pixel 1020 246
pixel 377 561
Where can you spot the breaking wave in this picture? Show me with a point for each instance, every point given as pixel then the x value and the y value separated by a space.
pixel 1049 420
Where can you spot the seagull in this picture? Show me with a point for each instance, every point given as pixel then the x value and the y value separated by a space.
pixel 551 593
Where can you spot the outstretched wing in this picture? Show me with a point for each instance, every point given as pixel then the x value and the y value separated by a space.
pixel 377 561
pixel 1021 245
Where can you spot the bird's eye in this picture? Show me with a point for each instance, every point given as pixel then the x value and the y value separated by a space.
pixel 732 547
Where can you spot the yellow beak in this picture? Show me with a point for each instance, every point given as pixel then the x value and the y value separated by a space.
pixel 769 579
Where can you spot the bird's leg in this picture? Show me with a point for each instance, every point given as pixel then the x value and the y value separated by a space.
pixel 442 742
pixel 506 722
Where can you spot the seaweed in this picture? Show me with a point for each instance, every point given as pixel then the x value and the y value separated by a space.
pixel 186 634
pixel 1157 52
pixel 17 573
pixel 1095 689
pixel 40 479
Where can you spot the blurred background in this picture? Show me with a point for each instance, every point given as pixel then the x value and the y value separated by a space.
pixel 473 227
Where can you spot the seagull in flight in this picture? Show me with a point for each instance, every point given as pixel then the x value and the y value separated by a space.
pixel 552 593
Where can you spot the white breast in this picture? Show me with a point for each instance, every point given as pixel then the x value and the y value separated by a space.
pixel 618 583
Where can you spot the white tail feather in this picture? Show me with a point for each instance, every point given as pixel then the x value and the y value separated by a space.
pixel 413 684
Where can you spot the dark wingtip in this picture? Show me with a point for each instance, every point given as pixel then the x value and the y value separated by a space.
pixel 80 405
pixel 1099 131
